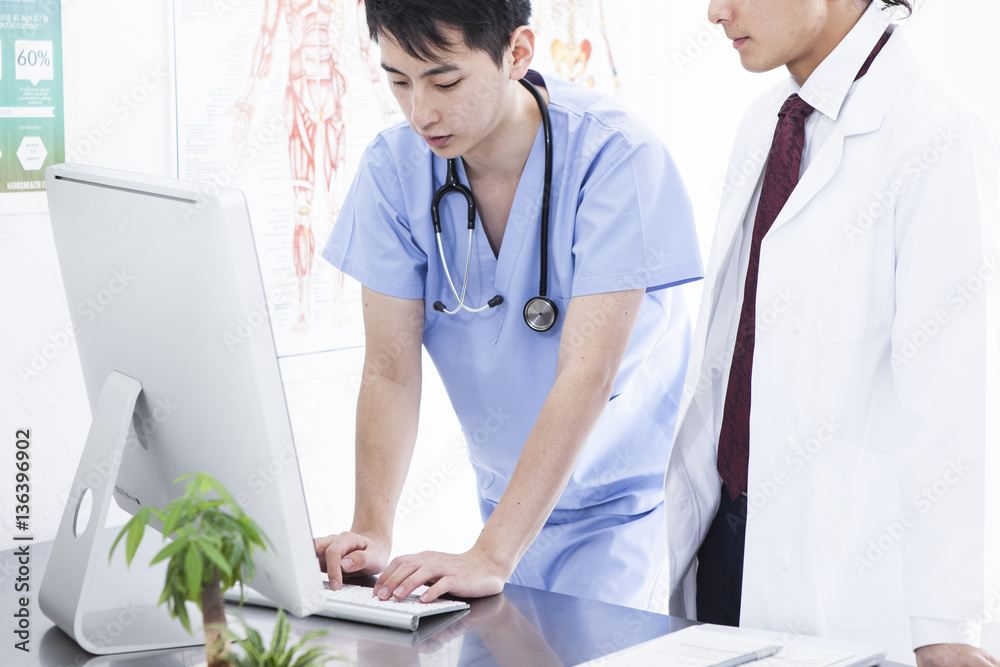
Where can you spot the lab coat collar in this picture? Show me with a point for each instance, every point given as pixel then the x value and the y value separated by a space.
pixel 865 113
pixel 869 103
pixel 827 87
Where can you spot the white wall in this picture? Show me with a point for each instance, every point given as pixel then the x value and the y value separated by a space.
pixel 119 110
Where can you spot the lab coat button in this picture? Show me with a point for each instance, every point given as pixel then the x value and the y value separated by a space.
pixel 795 324
pixel 824 119
pixel 789 444
pixel 784 560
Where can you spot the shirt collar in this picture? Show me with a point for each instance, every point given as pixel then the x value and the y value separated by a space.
pixel 827 87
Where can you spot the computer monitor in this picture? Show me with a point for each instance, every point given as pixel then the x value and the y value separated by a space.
pixel 165 294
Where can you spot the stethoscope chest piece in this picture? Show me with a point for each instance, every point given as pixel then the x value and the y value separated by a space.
pixel 540 313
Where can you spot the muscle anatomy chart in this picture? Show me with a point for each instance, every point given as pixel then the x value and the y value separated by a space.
pixel 279 97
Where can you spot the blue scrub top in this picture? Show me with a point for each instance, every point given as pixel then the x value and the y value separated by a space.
pixel 620 220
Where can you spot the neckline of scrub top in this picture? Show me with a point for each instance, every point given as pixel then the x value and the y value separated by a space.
pixel 525 209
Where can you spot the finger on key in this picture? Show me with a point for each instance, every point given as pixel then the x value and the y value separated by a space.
pixel 439 588
pixel 398 570
pixel 344 545
pixel 423 575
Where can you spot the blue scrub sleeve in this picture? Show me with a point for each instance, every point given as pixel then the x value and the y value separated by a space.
pixel 371 241
pixel 634 225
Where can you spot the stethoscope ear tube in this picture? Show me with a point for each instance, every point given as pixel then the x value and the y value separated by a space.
pixel 543 269
pixel 452 184
pixel 540 313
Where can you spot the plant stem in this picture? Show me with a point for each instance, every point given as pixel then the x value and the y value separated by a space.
pixel 213 611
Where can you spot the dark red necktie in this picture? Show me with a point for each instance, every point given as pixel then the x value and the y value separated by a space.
pixel 781 174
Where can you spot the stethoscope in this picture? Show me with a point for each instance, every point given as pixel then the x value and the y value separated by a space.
pixel 540 313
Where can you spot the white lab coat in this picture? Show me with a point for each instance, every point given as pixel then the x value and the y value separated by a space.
pixel 875 422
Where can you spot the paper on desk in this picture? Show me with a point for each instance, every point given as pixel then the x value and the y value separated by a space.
pixel 700 646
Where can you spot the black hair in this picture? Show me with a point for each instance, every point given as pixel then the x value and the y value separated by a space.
pixel 418 25
pixel 905 4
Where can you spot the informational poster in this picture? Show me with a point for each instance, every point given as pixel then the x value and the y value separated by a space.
pixel 279 98
pixel 616 47
pixel 573 38
pixel 32 132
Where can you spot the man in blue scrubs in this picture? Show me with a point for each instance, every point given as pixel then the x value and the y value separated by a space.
pixel 570 480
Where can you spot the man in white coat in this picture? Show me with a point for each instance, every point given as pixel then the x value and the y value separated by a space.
pixel 844 383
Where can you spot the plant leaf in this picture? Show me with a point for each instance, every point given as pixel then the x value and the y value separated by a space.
pixel 121 534
pixel 316 655
pixel 204 483
pixel 193 568
pixel 166 594
pixel 180 611
pixel 224 494
pixel 117 540
pixel 135 531
pixel 218 559
pixel 255 639
pixel 309 636
pixel 169 550
pixel 173 515
pixel 280 637
pixel 140 519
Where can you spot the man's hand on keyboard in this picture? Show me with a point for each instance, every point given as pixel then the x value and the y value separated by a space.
pixel 350 553
pixel 471 574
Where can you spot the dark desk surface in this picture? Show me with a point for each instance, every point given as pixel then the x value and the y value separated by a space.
pixel 522 626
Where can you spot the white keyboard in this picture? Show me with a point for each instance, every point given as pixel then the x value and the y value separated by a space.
pixel 405 614
pixel 357 603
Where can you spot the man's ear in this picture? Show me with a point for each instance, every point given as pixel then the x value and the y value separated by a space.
pixel 522 50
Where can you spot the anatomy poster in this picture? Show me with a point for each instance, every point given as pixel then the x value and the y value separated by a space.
pixel 614 46
pixel 573 36
pixel 280 98
pixel 32 134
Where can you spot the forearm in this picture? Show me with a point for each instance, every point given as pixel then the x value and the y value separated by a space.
pixel 386 432
pixel 388 409
pixel 568 416
pixel 594 338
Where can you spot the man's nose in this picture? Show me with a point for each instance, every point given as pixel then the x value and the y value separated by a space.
pixel 720 10
pixel 423 109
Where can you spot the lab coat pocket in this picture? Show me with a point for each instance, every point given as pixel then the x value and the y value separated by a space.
pixel 860 530
pixel 858 282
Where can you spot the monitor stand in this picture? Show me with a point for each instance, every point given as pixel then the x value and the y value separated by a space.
pixel 76 557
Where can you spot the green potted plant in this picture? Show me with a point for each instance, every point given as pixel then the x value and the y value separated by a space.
pixel 212 551
pixel 278 654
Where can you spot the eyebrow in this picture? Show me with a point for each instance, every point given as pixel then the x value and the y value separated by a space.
pixel 440 69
